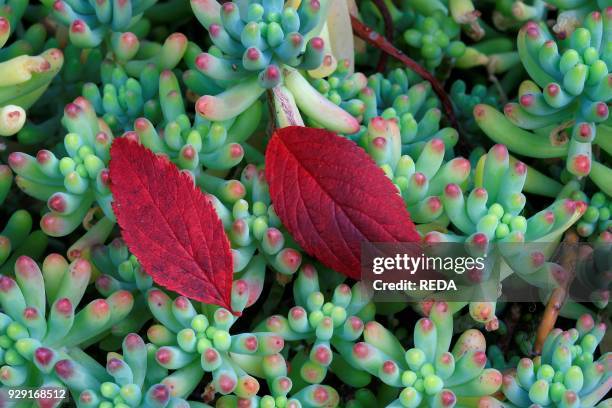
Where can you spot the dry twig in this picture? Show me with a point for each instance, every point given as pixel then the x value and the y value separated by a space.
pixel 559 295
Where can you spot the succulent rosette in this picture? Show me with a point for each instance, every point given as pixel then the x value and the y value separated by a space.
pixel 565 375
pixel 326 326
pixel 41 324
pixel 563 111
pixel 430 373
pixel 132 378
pixel 266 46
pixel 195 343
pixel 91 23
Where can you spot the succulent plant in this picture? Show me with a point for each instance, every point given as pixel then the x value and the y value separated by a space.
pixel 400 95
pixel 342 87
pixel 492 213
pixel 17 239
pixel 596 218
pixel 410 102
pixel 119 270
pixel 490 219
pixel 567 374
pixel 24 78
pixel 132 379
pixel 465 102
pixel 122 99
pixel 312 396
pixel 429 373
pixel 259 46
pixel 40 322
pixel 421 180
pixel 568 96
pixel 80 66
pixel 497 359
pixel 436 35
pixel 572 14
pixel 194 144
pixel 430 31
pixel 509 14
pixel 69 184
pixel 131 82
pixel 337 322
pixel 251 223
pixel 6 180
pixel 287 33
pixel 92 23
pixel 135 55
pixel 199 343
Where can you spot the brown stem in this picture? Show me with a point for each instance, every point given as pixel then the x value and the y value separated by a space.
pixel 559 295
pixel 388 21
pixel 373 38
pixel 271 110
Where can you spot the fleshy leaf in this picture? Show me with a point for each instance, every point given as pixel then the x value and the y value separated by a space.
pixel 170 225
pixel 331 196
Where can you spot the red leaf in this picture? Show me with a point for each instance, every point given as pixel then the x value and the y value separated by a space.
pixel 170 225
pixel 331 196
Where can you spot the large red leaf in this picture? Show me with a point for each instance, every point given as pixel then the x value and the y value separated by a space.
pixel 170 225
pixel 331 196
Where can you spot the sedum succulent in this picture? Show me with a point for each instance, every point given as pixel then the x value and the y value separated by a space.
pixel 596 219
pixel 132 81
pixel 197 343
pixel 17 239
pixel 71 184
pixel 492 213
pixel 465 101
pixel 567 99
pixel 24 78
pixel 322 325
pixel 313 396
pixel 431 373
pixel 262 38
pixel 41 324
pixel 489 217
pixel 567 374
pixel 123 99
pixel 342 87
pixel 421 180
pixel 80 66
pixel 259 46
pixel 436 36
pixel 402 15
pixel 6 181
pixel 91 23
pixel 119 270
pixel 255 232
pixel 193 144
pixel 412 104
pixel 510 14
pixel 130 379
pixel 572 14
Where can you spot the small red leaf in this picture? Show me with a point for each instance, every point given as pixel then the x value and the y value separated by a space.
pixel 170 225
pixel 331 196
